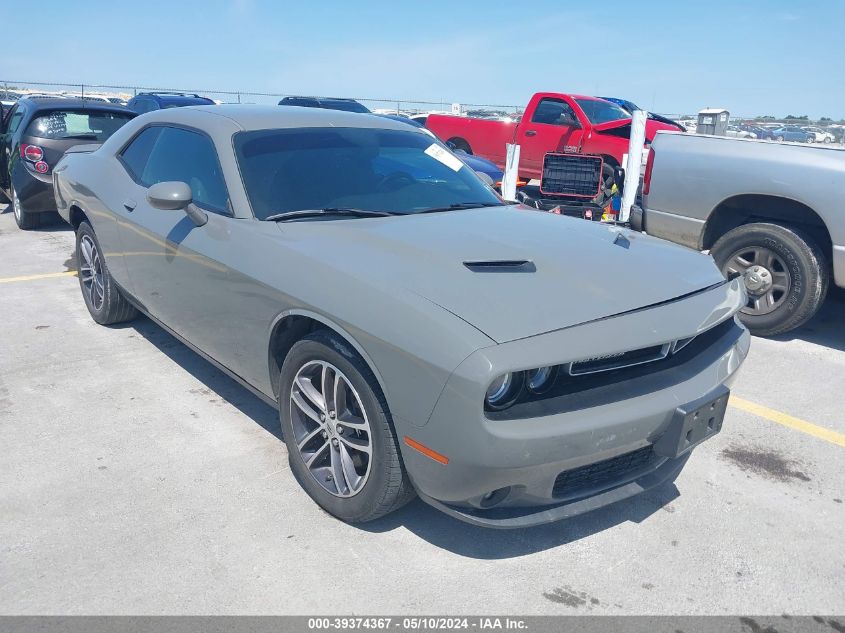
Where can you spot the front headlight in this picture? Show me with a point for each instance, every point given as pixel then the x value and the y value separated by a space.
pixel 504 391
pixel 541 379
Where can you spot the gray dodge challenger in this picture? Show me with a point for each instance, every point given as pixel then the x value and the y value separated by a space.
pixel 418 334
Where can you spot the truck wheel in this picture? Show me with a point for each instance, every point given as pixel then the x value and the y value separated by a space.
pixel 461 144
pixel 785 272
pixel 337 427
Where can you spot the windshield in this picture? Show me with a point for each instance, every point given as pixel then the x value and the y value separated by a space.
pixel 362 168
pixel 345 105
pixel 598 111
pixel 96 125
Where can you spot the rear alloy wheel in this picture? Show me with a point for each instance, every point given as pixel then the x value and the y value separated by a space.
pixel 336 424
pixel 102 297
pixel 785 273
pixel 25 220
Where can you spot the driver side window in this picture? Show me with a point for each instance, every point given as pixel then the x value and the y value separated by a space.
pixel 553 112
pixel 190 157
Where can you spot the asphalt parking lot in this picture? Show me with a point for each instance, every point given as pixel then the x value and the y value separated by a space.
pixel 137 479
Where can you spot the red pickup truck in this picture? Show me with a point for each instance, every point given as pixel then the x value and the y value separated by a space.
pixel 552 122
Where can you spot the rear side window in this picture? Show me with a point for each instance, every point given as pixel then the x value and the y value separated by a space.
pixel 135 156
pixel 189 157
pixel 91 125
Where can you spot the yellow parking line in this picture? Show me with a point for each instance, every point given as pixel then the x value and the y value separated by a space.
pixel 787 420
pixel 8 280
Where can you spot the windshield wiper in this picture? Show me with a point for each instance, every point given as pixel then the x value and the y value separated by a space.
pixel 81 135
pixel 458 206
pixel 314 213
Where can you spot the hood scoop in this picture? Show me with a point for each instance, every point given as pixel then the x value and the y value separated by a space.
pixel 502 266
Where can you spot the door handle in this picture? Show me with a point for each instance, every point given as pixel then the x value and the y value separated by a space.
pixel 129 205
pixel 531 133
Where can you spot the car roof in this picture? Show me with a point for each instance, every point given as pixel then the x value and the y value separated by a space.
pixel 54 103
pixel 259 117
pixel 175 97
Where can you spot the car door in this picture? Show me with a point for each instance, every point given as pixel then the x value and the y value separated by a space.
pixel 7 145
pixel 176 268
pixel 553 128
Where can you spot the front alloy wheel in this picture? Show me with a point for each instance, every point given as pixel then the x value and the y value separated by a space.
pixel 342 446
pixel 331 429
pixel 785 272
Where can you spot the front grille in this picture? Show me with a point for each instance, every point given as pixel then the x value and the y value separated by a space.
pixel 603 473
pixel 571 175
pixel 620 360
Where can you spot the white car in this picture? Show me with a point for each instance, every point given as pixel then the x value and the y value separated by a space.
pixel 737 133
pixel 821 136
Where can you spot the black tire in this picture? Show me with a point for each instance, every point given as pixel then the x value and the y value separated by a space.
pixel 387 487
pixel 804 263
pixel 25 220
pixel 112 307
pixel 461 144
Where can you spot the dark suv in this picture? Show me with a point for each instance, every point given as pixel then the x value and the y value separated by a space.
pixel 149 101
pixel 329 103
pixel 35 134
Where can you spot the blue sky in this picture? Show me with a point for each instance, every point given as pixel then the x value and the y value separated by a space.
pixel 753 57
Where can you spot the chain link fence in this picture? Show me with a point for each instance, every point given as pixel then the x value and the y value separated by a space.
pixel 11 90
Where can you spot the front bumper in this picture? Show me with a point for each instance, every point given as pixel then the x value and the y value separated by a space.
pixel 509 472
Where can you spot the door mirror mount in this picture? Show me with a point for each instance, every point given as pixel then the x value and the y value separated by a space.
pixel 175 196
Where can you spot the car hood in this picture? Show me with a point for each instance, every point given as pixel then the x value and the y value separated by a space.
pixel 511 272
pixel 652 127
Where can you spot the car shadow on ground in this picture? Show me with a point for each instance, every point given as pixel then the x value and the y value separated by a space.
pixel 472 541
pixel 215 380
pixel 417 517
pixel 826 327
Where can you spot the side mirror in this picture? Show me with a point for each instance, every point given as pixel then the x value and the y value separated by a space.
pixel 175 196
pixel 169 196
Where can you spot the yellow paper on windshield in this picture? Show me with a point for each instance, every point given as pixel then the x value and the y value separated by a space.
pixel 444 156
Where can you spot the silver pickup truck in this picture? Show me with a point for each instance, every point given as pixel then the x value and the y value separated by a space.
pixel 771 212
